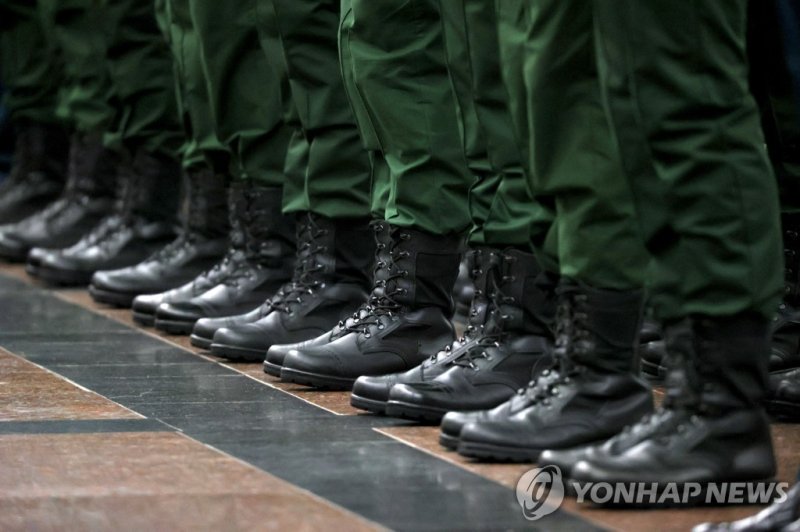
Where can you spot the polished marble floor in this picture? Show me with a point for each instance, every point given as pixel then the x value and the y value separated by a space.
pixel 104 425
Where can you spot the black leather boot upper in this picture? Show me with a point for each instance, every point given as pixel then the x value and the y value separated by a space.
pixel 715 384
pixel 372 393
pixel 512 349
pixel 144 220
pixel 783 399
pixel 589 394
pixel 330 280
pixel 407 319
pixel 87 197
pixel 268 252
pixel 202 242
pixel 38 173
pixel 273 364
pixel 145 306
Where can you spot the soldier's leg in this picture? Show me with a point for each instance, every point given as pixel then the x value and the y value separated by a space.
pixel 146 132
pixel 693 151
pixel 510 321
pixel 203 240
pixel 772 85
pixel 398 67
pixel 32 71
pixel 600 255
pixel 249 101
pixel 86 103
pixel 331 197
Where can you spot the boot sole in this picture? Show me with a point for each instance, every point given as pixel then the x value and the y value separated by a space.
pixel 316 380
pixel 174 327
pixel 107 297
pixel 783 410
pixel 200 341
pixel 448 441
pixel 498 453
pixel 63 277
pixel 370 405
pixel 272 369
pixel 423 414
pixel 146 320
pixel 239 354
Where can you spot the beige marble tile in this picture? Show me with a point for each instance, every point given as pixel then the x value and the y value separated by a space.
pixel 148 481
pixel 30 393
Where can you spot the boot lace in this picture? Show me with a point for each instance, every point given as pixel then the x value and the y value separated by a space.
pixel 571 338
pixel 386 273
pixel 304 279
pixel 495 330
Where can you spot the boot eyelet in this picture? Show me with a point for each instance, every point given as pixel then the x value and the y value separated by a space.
pixel 367 335
pixel 381 326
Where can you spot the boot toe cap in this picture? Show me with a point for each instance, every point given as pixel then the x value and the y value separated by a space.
pixel 240 336
pixel 318 361
pixel 376 388
pixel 11 248
pixel 181 311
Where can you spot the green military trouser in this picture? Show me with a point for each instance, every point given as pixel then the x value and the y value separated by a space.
pixel 395 63
pixel 87 101
pixel 335 174
pixel 693 152
pixel 501 207
pixel 549 67
pixel 248 96
pixel 201 147
pixel 30 63
pixel 140 66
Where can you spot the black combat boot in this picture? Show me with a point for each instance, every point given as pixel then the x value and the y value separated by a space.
pixel 273 364
pixel 512 350
pixel 143 221
pixel 372 393
pixel 715 385
pixel 408 317
pixel 268 255
pixel 87 198
pixel 202 242
pixel 145 306
pixel 38 173
pixel 783 395
pixel 589 394
pixel 331 279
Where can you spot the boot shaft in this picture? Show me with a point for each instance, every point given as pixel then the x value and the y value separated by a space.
pixel 717 364
pixel 791 254
pixel 92 167
pixel 41 150
pixel 598 328
pixel 522 295
pixel 269 235
pixel 206 204
pixel 416 269
pixel 149 186
pixel 339 250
